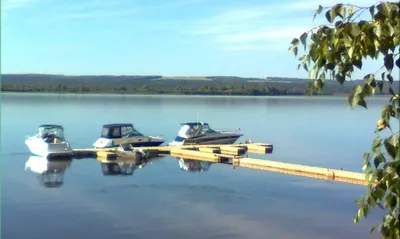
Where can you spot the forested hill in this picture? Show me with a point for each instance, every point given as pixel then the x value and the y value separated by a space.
pixel 156 84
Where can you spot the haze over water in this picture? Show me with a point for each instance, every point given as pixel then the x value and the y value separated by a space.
pixel 163 201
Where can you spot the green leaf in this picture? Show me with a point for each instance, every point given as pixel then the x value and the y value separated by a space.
pixel 322 78
pixel 365 211
pixel 383 7
pixel 357 63
pixel 355 30
pixel 388 59
pixel 294 50
pixel 396 40
pixel 312 73
pixel 295 41
pixel 376 162
pixel 357 90
pixel 380 85
pixel 366 168
pixel 318 11
pixel 313 53
pixel 303 38
pixel 369 78
pixel 330 15
pixel 379 193
pixel 390 78
pixel 379 172
pixel 391 91
pixel 369 89
pixel 350 52
pixel 330 66
pixel 377 142
pixel 390 30
pixel 361 102
pixel 378 30
pixel 372 230
pixel 360 201
pixel 385 113
pixel 340 78
pixel 340 11
pixel 372 10
pixel 356 220
pixel 303 58
pixel 351 100
pixel 390 147
pixel 366 157
pixel 305 67
pixel 338 23
pixel 360 213
pixel 390 201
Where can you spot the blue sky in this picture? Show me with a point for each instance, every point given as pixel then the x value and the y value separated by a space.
pixel 246 38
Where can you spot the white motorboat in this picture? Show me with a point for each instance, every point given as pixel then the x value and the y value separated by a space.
pixel 201 133
pixel 49 141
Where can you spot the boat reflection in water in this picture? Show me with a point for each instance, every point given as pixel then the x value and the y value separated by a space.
pixel 194 165
pixel 121 166
pixel 125 169
pixel 50 173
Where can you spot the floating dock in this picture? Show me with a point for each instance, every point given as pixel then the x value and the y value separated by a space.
pixel 205 152
pixel 302 170
pixel 235 154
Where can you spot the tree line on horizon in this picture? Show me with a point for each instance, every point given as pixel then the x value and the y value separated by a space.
pixel 211 85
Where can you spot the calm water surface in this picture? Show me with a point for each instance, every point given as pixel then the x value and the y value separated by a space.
pixel 162 201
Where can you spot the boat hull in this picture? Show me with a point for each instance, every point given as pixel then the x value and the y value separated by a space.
pixel 38 147
pixel 134 142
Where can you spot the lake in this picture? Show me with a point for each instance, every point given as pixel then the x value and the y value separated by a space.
pixel 162 201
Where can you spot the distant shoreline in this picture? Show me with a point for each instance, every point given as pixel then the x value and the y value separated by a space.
pixel 159 85
pixel 152 93
pixel 344 95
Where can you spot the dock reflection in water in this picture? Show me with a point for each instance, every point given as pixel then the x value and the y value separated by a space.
pixel 50 173
pixel 194 165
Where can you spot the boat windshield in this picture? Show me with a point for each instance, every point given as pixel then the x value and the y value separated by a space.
pixel 54 131
pixel 120 132
pixel 206 129
pixel 188 131
pixel 192 130
pixel 130 132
